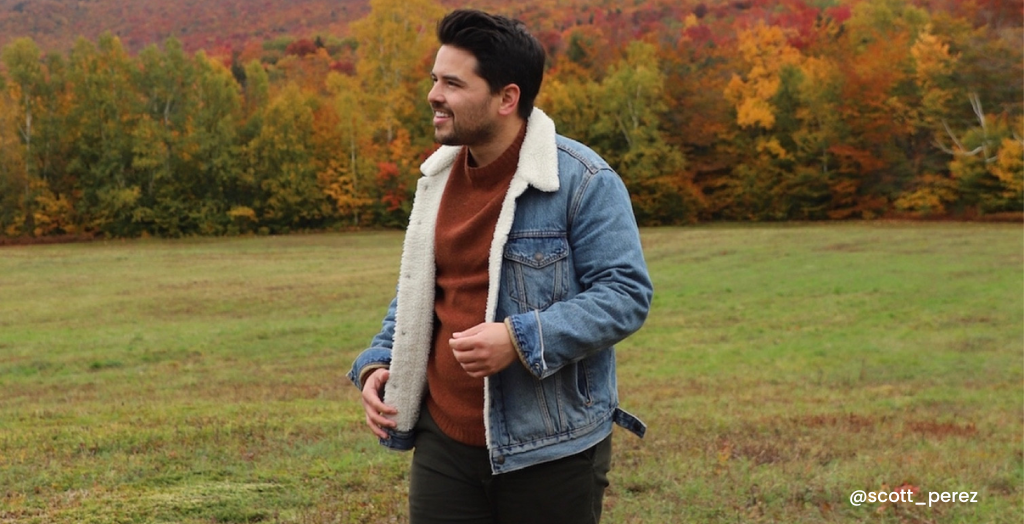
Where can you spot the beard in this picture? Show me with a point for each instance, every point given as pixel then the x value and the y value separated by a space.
pixel 470 128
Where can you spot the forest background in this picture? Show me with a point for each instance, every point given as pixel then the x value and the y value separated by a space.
pixel 273 116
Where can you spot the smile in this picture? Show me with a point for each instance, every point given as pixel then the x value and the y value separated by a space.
pixel 441 117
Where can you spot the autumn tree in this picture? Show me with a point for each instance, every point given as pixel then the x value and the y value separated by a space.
pixel 633 96
pixel 878 108
pixel 165 81
pixel 394 40
pixel 103 121
pixel 750 110
pixel 12 169
pixel 770 181
pixel 281 164
pixel 987 164
pixel 26 98
pixel 347 178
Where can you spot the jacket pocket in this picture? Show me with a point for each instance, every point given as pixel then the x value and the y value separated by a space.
pixel 583 382
pixel 535 269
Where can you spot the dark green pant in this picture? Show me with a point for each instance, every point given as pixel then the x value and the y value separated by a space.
pixel 452 483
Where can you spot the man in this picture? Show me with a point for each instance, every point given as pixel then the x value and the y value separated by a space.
pixel 521 268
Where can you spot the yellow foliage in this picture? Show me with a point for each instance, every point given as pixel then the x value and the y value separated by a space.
pixel 336 182
pixel 53 214
pixel 766 52
pixel 931 56
pixel 755 111
pixel 393 40
pixel 1009 168
pixel 773 147
pixel 934 68
pixel 242 213
pixel 931 197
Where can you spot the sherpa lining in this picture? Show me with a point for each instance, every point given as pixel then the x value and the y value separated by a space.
pixel 538 167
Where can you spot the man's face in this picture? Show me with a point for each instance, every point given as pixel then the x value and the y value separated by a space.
pixel 465 110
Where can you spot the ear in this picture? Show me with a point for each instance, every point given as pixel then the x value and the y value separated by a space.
pixel 509 103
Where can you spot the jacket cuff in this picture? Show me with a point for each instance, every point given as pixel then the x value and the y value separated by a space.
pixel 515 342
pixel 527 338
pixel 367 362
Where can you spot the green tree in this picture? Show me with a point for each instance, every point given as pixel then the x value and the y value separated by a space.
pixel 13 181
pixel 26 77
pixel 103 119
pixel 257 87
pixel 627 130
pixel 185 147
pixel 212 160
pixel 282 165
pixel 21 58
pixel 163 80
pixel 986 164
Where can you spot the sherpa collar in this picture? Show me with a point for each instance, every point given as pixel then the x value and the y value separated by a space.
pixel 538 158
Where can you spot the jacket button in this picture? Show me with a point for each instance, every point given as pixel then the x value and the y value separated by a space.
pixel 500 460
pixel 538 257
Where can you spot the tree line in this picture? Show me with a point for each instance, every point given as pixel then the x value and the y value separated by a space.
pixel 753 110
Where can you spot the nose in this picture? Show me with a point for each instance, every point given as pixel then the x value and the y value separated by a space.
pixel 434 96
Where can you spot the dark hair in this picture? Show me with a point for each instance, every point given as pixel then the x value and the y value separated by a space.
pixel 505 51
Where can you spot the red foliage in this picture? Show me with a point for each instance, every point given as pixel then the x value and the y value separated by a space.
pixel 700 34
pixel 345 67
pixel 839 13
pixel 392 187
pixel 199 24
pixel 551 40
pixel 803 19
pixel 301 47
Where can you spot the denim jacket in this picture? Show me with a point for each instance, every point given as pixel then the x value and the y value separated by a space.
pixel 567 276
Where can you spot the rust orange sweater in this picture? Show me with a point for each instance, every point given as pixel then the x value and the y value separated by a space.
pixel 462 244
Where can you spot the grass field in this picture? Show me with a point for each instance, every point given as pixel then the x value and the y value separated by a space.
pixel 781 369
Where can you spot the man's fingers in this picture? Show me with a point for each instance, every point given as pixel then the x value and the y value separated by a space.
pixel 375 408
pixel 375 428
pixel 372 390
pixel 469 332
pixel 463 355
pixel 377 421
pixel 373 402
pixel 462 345
pixel 472 364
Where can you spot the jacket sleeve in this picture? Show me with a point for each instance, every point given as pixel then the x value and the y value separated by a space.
pixel 378 355
pixel 609 265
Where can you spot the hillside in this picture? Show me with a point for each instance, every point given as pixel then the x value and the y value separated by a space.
pixel 199 24
pixel 219 26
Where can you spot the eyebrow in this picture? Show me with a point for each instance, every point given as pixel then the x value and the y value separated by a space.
pixel 450 78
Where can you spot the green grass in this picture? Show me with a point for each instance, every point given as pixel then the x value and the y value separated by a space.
pixel 781 369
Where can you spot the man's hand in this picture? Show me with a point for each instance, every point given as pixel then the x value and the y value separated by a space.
pixel 375 408
pixel 483 349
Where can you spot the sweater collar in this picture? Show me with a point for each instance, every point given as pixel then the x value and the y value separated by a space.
pixel 538 157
